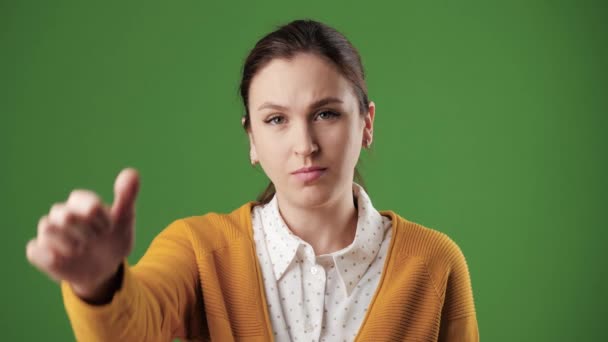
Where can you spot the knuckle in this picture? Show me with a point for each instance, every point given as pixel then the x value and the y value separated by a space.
pixel 66 217
pixel 47 238
pixel 56 207
pixel 73 193
pixel 43 219
pixel 60 215
pixel 93 210
pixel 82 195
pixel 77 193
pixel 43 224
pixel 42 256
pixel 85 203
pixel 29 251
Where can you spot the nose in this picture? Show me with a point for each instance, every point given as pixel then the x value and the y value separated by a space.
pixel 304 140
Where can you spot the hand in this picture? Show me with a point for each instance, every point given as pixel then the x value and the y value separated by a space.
pixel 83 241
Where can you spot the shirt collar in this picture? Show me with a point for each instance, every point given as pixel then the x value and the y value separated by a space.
pixel 282 243
pixel 351 262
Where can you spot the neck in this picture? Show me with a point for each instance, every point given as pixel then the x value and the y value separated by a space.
pixel 327 228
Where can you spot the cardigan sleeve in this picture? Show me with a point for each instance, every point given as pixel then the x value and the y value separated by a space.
pixel 458 318
pixel 159 298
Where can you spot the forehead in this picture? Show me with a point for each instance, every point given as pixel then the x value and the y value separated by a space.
pixel 297 82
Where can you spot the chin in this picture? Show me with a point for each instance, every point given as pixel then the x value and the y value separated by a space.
pixel 311 196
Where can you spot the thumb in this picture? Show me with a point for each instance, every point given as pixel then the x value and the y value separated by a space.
pixel 126 187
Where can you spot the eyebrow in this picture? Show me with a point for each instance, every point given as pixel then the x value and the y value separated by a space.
pixel 319 103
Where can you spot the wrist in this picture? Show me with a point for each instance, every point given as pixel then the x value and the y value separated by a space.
pixel 102 293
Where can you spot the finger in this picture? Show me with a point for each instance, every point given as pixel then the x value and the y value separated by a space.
pixel 60 216
pixel 43 225
pixel 102 221
pixel 40 257
pixel 64 244
pixel 88 207
pixel 126 188
pixel 79 234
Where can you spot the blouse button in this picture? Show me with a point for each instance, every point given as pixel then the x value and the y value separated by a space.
pixel 314 270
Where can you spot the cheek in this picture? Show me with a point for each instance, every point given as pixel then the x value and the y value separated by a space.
pixel 349 147
pixel 344 143
pixel 272 156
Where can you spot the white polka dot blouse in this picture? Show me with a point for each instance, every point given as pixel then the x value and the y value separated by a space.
pixel 319 297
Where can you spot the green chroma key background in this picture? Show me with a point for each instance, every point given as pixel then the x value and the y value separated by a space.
pixel 490 126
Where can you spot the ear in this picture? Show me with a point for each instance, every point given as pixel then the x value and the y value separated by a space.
pixel 368 129
pixel 253 155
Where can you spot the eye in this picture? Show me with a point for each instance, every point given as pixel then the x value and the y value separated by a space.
pixel 275 120
pixel 327 114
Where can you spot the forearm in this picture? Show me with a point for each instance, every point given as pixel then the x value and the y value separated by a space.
pixel 158 299
pixel 130 315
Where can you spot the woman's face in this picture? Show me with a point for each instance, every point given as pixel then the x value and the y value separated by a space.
pixel 304 113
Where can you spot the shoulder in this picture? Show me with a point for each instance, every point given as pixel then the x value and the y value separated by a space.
pixel 436 249
pixel 213 231
pixel 444 261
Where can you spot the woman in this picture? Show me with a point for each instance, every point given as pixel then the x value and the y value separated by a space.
pixel 311 259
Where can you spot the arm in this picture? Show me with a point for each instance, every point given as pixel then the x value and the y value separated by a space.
pixel 458 318
pixel 158 299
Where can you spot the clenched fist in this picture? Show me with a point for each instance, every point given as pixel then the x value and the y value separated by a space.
pixel 82 241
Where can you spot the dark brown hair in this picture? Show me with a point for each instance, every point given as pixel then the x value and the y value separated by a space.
pixel 312 37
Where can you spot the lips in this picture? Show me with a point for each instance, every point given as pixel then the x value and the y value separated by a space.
pixel 309 174
pixel 309 169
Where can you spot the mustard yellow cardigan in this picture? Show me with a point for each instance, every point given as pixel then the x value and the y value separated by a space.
pixel 200 280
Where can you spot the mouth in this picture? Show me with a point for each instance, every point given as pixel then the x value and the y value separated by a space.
pixel 309 174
